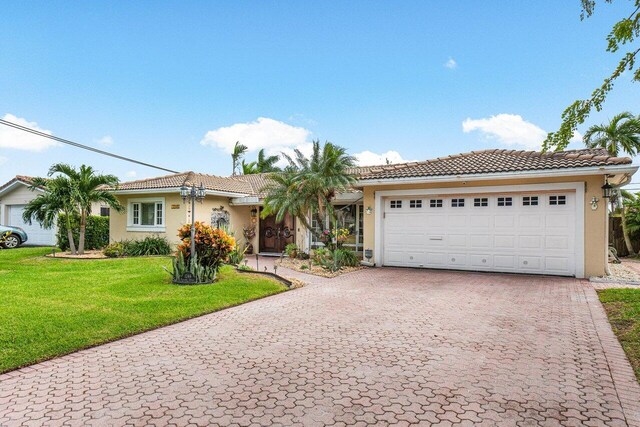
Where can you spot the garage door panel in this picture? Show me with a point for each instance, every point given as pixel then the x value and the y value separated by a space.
pixel 35 233
pixel 523 238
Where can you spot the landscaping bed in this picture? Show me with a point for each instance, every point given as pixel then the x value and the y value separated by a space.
pixel 52 307
pixel 623 309
pixel 305 266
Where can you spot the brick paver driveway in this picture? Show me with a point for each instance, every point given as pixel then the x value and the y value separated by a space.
pixel 384 346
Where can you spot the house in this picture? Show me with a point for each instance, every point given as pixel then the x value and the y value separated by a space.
pixel 15 195
pixel 493 210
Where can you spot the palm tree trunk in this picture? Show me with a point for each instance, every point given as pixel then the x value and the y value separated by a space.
pixel 72 243
pixel 83 226
pixel 625 233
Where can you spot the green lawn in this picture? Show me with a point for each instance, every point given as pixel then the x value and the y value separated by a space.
pixel 49 307
pixel 623 309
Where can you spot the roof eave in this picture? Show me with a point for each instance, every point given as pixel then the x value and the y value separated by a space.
pixel 544 173
pixel 11 185
pixel 177 190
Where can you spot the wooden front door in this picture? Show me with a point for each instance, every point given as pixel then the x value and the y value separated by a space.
pixel 274 236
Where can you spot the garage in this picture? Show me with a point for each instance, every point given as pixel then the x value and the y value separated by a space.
pixel 532 232
pixel 37 234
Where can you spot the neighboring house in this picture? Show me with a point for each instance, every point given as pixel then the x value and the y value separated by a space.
pixel 493 210
pixel 14 196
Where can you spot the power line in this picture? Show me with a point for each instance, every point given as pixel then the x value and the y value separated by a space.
pixel 84 147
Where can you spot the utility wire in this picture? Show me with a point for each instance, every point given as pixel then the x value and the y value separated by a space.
pixel 84 147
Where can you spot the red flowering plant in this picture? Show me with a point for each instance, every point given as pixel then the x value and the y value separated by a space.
pixel 213 245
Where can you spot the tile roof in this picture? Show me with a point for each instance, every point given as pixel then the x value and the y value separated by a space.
pixel 27 180
pixel 234 184
pixel 492 161
pixel 475 162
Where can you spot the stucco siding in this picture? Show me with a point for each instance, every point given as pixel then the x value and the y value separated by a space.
pixel 595 222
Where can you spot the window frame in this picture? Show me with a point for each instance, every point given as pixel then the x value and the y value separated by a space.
pixel 134 213
pixel 560 200
pixel 436 203
pixel 395 204
pixel 530 201
pixel 458 203
pixel 507 201
pixel 478 202
pixel 415 204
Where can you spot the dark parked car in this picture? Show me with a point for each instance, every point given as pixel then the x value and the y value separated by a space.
pixel 15 236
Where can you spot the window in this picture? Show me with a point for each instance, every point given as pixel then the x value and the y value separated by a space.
pixel 435 203
pixel 530 201
pixel 457 203
pixel 396 204
pixel 505 201
pixel 146 213
pixel 557 200
pixel 104 211
pixel 415 203
pixel 350 217
pixel 481 202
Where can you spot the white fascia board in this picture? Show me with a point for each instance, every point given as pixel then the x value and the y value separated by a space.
pixel 13 185
pixel 177 190
pixel 246 201
pixel 547 173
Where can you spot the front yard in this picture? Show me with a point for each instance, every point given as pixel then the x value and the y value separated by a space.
pixel 623 308
pixel 50 307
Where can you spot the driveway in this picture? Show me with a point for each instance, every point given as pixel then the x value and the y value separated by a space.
pixel 382 346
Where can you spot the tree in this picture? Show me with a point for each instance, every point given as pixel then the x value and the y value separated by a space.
pixel 267 163
pixel 58 196
pixel 622 133
pixel 72 191
pixel 624 32
pixel 628 200
pixel 238 152
pixel 309 185
pixel 249 168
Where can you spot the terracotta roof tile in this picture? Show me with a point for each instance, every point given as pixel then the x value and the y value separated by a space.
pixel 27 180
pixel 492 161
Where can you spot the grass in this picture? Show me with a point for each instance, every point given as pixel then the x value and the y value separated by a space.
pixel 623 308
pixel 50 307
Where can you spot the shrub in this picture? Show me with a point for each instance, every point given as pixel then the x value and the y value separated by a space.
pixel 304 267
pixel 96 232
pixel 236 256
pixel 319 255
pixel 114 250
pixel 245 268
pixel 182 268
pixel 213 245
pixel 291 250
pixel 303 255
pixel 346 258
pixel 155 245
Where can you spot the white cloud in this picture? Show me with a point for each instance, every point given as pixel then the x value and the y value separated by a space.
pixel 508 129
pixel 131 174
pixel 451 64
pixel 512 130
pixel 369 158
pixel 272 135
pixel 105 140
pixel 21 140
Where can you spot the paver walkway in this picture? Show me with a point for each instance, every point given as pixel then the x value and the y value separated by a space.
pixel 383 346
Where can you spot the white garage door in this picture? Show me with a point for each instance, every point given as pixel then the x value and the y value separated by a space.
pixel 36 234
pixel 520 233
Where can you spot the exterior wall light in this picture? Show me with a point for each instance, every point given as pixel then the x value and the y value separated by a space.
pixel 254 213
pixel 369 210
pixel 594 203
pixel 368 254
pixel 607 189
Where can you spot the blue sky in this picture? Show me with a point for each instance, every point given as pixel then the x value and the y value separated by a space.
pixel 175 83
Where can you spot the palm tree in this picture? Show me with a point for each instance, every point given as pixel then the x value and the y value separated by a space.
pixel 249 168
pixel 236 155
pixel 57 197
pixel 622 133
pixel 267 163
pixel 630 203
pixel 81 188
pixel 309 185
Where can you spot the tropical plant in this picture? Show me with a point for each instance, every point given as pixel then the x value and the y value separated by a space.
pixel 151 245
pixel 238 152
pixel 71 191
pixel 249 168
pixel 192 268
pixel 267 163
pixel 319 254
pixel 630 213
pixel 624 33
pixel 96 234
pixel 236 256
pixel 309 185
pixel 622 133
pixel 213 245
pixel 291 250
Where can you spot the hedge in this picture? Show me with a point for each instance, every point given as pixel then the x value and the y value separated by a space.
pixel 96 233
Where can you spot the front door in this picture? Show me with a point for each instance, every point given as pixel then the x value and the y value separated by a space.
pixel 274 236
